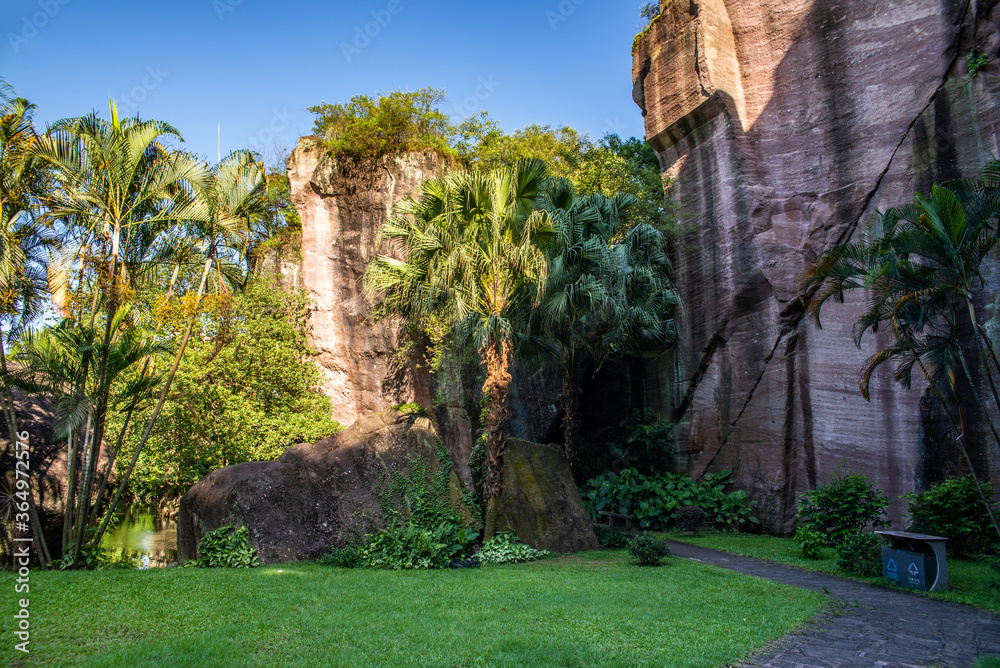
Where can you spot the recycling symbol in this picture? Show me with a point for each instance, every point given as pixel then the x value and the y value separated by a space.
pixel 913 569
pixel 891 566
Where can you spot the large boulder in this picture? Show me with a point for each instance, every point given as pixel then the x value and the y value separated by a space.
pixel 540 502
pixel 317 494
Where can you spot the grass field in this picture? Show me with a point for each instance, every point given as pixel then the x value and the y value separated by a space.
pixel 967 579
pixel 590 609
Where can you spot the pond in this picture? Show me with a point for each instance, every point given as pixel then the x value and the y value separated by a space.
pixel 140 530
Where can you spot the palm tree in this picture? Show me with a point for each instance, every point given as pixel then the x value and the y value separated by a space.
pixel 111 178
pixel 470 254
pixel 607 291
pixel 920 265
pixel 22 248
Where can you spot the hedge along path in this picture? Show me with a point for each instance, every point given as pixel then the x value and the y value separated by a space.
pixel 867 625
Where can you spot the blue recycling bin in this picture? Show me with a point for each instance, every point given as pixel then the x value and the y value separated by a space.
pixel 915 561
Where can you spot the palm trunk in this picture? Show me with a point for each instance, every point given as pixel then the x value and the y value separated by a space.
pixel 571 410
pixel 159 404
pixel 496 387
pixel 71 458
pixel 103 393
pixel 111 463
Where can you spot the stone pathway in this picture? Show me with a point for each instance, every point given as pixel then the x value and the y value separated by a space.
pixel 875 626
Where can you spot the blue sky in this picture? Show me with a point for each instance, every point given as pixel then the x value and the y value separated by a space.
pixel 254 66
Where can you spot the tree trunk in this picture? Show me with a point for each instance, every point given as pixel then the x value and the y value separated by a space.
pixel 496 387
pixel 571 411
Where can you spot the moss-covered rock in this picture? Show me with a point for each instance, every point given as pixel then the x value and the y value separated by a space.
pixel 540 502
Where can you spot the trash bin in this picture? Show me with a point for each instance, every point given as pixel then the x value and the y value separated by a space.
pixel 915 560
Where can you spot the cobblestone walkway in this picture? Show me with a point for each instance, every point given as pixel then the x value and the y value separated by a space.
pixel 875 626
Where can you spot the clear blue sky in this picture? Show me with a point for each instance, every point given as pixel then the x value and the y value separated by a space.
pixel 254 66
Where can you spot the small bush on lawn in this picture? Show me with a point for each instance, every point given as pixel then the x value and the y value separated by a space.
pixel 342 557
pixel 953 509
pixel 861 554
pixel 611 538
pixel 811 541
pixel 648 550
pixel 654 500
pixel 689 518
pixel 225 548
pixel 506 548
pixel 846 506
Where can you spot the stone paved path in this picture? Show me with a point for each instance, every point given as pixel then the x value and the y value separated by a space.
pixel 871 626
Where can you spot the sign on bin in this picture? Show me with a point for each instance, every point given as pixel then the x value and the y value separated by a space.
pixel 906 569
pixel 915 560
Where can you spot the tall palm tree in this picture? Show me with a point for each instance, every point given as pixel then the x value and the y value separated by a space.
pixel 607 293
pixel 920 265
pixel 22 247
pixel 469 253
pixel 113 176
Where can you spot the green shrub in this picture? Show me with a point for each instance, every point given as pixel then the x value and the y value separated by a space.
pixel 953 509
pixel 861 554
pixel 506 548
pixel 994 564
pixel 397 122
pixel 689 518
pixel 224 548
pixel 654 500
pixel 648 550
pixel 414 546
pixel 810 540
pixel 342 557
pixel 846 506
pixel 611 538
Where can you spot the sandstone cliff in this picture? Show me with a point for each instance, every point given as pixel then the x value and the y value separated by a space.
pixel 786 123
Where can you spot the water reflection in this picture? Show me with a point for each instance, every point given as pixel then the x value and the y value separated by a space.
pixel 141 531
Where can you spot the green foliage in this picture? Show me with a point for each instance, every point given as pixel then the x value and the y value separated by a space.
pixel 640 441
pixel 348 556
pixel 413 409
pixel 953 509
pixel 653 500
pixel 482 144
pixel 994 564
pixel 369 128
pixel 226 548
pixel 648 550
pixel 689 518
pixel 91 556
pixel 506 548
pixel 244 391
pixel 645 31
pixel 811 540
pixel 414 546
pixel 860 553
pixel 611 538
pixel 976 60
pixel 846 506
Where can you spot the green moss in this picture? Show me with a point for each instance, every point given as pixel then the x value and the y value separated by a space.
pixel 645 31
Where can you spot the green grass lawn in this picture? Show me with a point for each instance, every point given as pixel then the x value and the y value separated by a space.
pixel 589 609
pixel 967 580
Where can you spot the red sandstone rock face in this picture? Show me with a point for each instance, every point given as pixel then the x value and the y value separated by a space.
pixel 786 123
pixel 341 211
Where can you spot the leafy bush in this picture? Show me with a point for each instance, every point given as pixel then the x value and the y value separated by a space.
pixel 397 122
pixel 224 548
pixel 689 518
pixel 653 500
pixel 413 546
pixel 810 540
pixel 994 581
pixel 953 509
pixel 641 441
pixel 861 554
pixel 611 538
pixel 648 550
pixel 846 506
pixel 506 548
pixel 342 557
